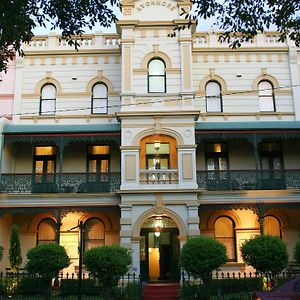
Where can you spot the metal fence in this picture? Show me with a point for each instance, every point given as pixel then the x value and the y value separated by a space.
pixel 230 285
pixel 31 287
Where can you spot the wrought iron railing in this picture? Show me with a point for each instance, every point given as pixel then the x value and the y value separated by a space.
pixel 248 180
pixel 158 176
pixel 60 183
pixel 26 286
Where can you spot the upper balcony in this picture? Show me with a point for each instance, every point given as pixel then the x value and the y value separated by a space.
pixel 212 40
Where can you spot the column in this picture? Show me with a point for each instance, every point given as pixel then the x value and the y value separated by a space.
pixel 193 220
pixel 187 166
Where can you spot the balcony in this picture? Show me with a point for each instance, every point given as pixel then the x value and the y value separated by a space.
pixel 64 183
pixel 158 176
pixel 248 180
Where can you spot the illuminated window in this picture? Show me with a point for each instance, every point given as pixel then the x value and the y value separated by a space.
pixel 94 234
pixel 157 159
pixel 266 96
pixel 46 231
pixel 156 76
pixel 213 97
pixel 272 226
pixel 48 100
pixel 99 99
pixel 225 234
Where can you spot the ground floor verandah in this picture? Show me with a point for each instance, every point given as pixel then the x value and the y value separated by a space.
pixel 153 225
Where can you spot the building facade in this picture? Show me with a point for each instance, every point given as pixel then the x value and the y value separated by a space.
pixel 150 140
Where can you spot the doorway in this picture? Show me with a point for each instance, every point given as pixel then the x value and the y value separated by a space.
pixel 159 250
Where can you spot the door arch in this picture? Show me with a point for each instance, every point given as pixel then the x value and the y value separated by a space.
pixel 159 249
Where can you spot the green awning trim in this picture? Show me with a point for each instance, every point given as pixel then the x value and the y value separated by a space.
pixel 273 125
pixel 36 129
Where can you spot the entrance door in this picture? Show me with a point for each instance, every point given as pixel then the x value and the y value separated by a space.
pixel 160 255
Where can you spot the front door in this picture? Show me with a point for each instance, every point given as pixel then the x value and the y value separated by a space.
pixel 160 255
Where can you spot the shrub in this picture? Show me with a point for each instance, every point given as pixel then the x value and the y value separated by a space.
pixel 237 286
pixel 32 285
pixel 297 252
pixel 201 255
pixel 1 252
pixel 46 260
pixel 15 257
pixel 107 263
pixel 267 254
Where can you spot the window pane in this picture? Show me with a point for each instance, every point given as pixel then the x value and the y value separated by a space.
pixel 104 166
pixel 163 149
pixel 100 106
pixel 157 84
pixel 213 104
pixel 265 94
pixel 224 233
pixel 39 167
pixel 213 89
pixel 213 97
pixel 266 103
pixel 45 150
pixel 271 226
pixel 48 92
pixel 156 67
pixel 48 107
pixel 99 91
pixel 99 149
pixel 265 88
pixel 46 231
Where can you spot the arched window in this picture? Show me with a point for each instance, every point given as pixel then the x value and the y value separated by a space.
pixel 225 234
pixel 156 76
pixel 46 231
pixel 48 99
pixel 213 97
pixel 272 226
pixel 266 96
pixel 94 234
pixel 99 99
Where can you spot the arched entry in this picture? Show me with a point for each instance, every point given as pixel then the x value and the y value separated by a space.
pixel 159 249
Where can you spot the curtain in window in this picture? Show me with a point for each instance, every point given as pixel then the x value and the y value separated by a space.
pixel 99 99
pixel 94 234
pixel 48 99
pixel 156 76
pixel 225 234
pixel 213 97
pixel 272 226
pixel 46 232
pixel 266 96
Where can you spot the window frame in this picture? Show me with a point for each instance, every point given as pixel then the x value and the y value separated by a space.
pixel 219 97
pixel 234 259
pixel 149 76
pixel 37 232
pixel 86 232
pixel 47 113
pixel 279 224
pixel 271 96
pixel 99 98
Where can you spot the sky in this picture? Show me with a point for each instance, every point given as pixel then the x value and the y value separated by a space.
pixel 202 26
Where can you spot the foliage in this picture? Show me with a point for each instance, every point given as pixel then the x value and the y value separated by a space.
pixel 201 255
pixel 90 287
pixel 1 252
pixel 20 17
pixel 15 257
pixel 230 287
pixel 47 260
pixel 32 285
pixel 267 254
pixel 297 252
pixel 241 20
pixel 107 263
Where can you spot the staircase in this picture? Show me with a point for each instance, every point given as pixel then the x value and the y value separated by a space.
pixel 161 291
